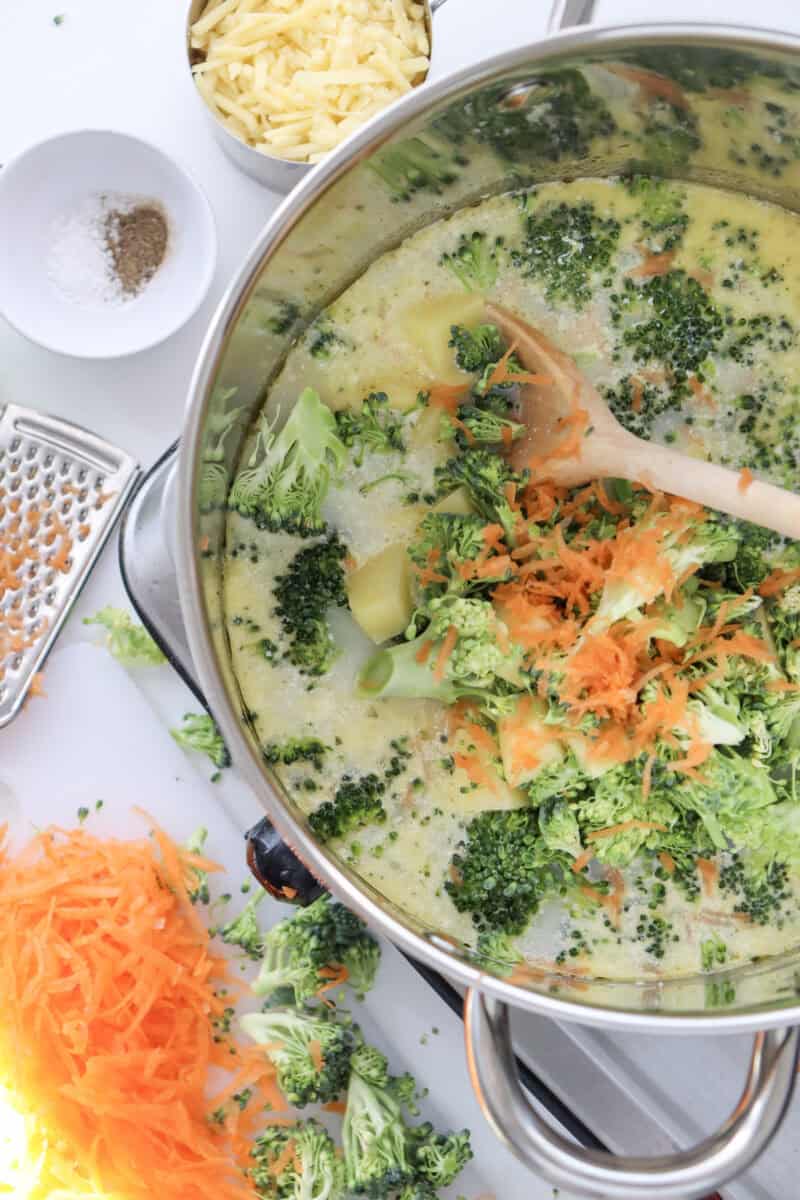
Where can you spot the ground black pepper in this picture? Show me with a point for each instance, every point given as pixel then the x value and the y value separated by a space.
pixel 137 241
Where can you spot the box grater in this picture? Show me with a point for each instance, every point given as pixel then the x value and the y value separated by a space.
pixel 62 489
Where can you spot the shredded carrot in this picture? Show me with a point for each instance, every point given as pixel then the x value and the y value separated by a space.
pixel 335 1106
pixel 652 86
pixel 701 392
pixel 745 479
pixel 501 373
pixel 582 861
pixel 335 976
pixel 652 265
pixel 708 874
pixel 281 1162
pixel 445 650
pixel 623 827
pixel 637 394
pixel 667 862
pixel 424 652
pixel 315 1054
pixel 109 989
pixel 778 580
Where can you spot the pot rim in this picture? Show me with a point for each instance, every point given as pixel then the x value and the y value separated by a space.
pixel 344 885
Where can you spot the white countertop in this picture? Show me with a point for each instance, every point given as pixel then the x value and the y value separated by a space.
pixel 122 66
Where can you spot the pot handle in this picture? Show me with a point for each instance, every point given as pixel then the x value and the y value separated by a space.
pixel 565 13
pixel 601 1176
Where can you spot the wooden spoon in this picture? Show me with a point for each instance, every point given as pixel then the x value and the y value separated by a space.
pixel 572 438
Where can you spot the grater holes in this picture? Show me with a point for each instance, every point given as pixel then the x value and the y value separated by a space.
pixel 82 473
pixel 31 452
pixel 48 461
pixel 15 444
pixel 65 467
pixel 50 597
pixel 48 481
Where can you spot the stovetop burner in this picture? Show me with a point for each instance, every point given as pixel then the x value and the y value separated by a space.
pixel 629 1093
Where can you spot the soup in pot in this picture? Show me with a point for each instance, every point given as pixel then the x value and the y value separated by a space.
pixel 559 725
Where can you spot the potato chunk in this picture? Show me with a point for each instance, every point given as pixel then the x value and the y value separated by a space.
pixel 379 592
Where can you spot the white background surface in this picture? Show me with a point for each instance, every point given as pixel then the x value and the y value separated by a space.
pixel 122 66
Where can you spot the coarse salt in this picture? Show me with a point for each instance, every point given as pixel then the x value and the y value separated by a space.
pixel 79 262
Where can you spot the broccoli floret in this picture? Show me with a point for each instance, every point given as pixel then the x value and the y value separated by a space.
pixel 474 262
pixel 212 488
pixel 555 115
pixel 486 477
pixel 371 1064
pixel 661 210
pixel 474 666
pixel 313 583
pixel 617 798
pixel 199 732
pixel 376 427
pixel 285 314
pixel 484 426
pixel 713 952
pixel 356 802
pixel 559 828
pixel 444 539
pixel 309 1050
pixel 698 542
pixel 323 337
pixel 129 643
pixel 496 952
pixel 668 138
pixel 476 349
pixel 438 1158
pixel 753 561
pixel 286 478
pixel 382 1152
pixel 783 615
pixel 314 1170
pixel 417 1189
pixel 244 930
pixel 500 873
pixel 376 1140
pixel 305 749
pixel 413 166
pixel 322 935
pixel 669 320
pixel 760 893
pixel 566 246
pixel 636 404
pixel 197 891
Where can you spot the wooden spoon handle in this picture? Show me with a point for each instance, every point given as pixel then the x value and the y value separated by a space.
pixel 716 487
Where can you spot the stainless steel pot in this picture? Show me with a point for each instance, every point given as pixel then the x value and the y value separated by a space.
pixel 323 236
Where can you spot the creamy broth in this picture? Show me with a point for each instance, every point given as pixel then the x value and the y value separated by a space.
pixel 389 332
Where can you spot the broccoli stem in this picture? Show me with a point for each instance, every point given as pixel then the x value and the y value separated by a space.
pixel 398 672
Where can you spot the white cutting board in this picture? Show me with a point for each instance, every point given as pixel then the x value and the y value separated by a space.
pixel 112 747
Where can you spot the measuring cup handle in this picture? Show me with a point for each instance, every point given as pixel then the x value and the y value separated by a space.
pixel 565 13
pixel 601 1176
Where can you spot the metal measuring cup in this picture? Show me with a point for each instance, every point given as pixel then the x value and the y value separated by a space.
pixel 277 174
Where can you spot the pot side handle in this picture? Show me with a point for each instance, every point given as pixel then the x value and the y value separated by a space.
pixel 601 1176
pixel 566 13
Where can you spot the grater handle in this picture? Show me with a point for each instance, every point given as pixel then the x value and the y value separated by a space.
pixel 600 1176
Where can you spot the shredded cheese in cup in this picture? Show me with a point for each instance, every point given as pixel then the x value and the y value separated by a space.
pixel 294 79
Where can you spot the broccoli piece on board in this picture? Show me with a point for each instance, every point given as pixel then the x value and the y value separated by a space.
pixel 309 1050
pixel 314 1170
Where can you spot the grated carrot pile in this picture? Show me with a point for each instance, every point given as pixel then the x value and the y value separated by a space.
pixel 109 989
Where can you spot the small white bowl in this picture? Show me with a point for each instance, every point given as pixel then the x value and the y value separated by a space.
pixel 46 188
